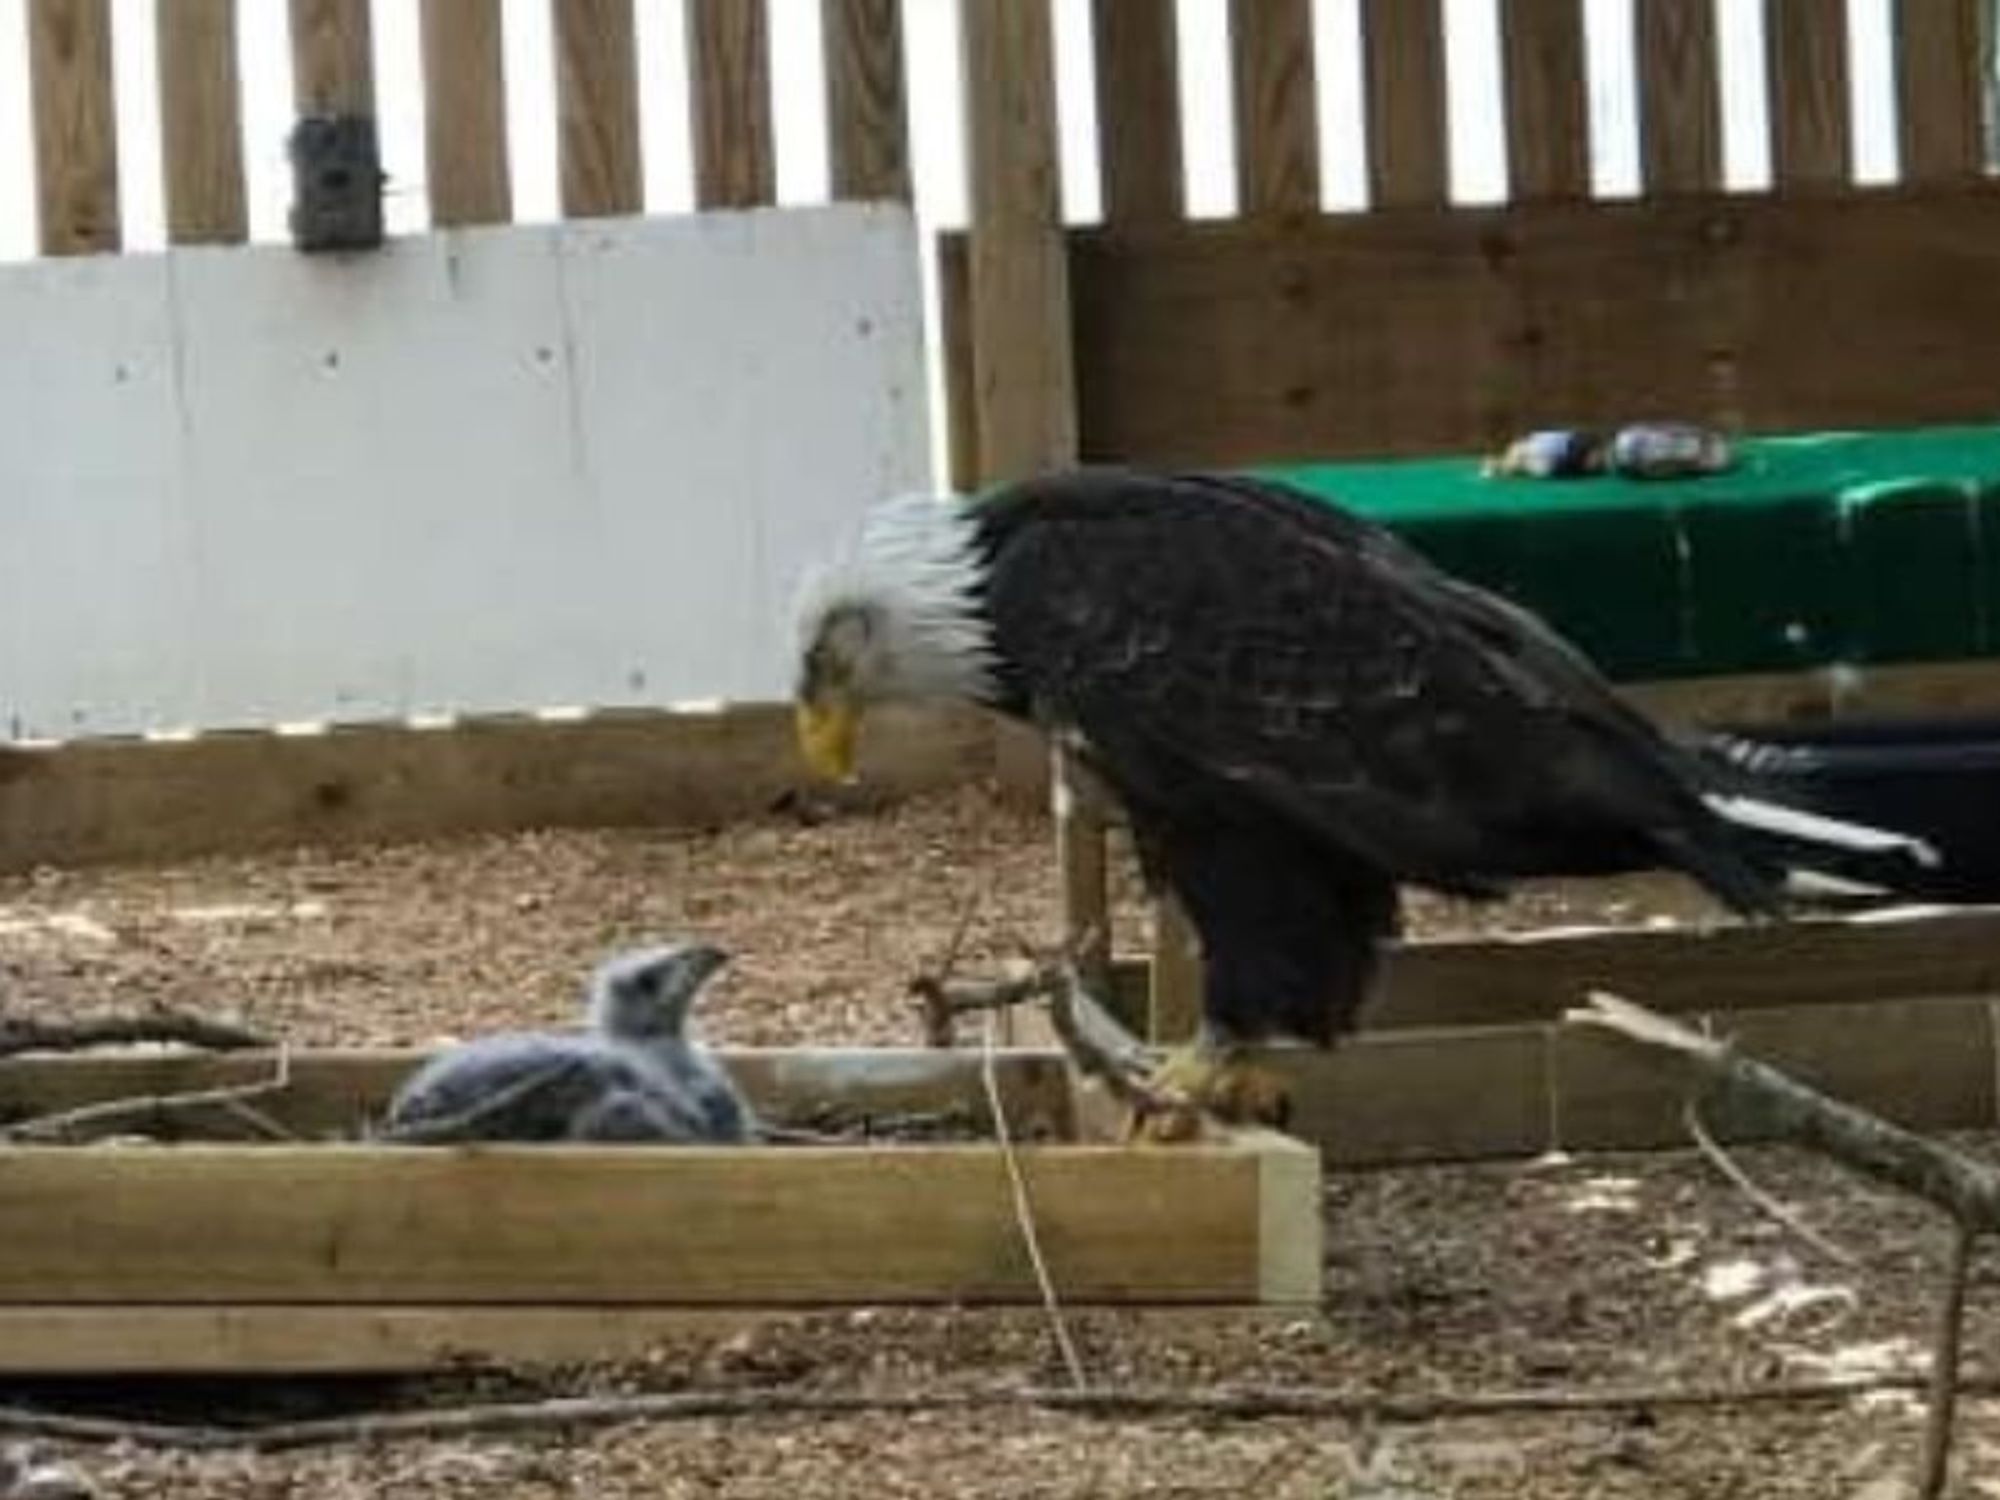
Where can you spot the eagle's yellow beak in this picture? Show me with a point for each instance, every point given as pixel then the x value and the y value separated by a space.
pixel 826 738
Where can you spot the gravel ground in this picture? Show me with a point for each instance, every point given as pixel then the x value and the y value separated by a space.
pixel 1567 1274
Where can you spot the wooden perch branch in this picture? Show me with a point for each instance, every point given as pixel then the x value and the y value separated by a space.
pixel 1758 1098
pixel 24 1034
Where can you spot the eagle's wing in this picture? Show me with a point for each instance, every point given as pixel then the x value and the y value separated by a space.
pixel 1220 638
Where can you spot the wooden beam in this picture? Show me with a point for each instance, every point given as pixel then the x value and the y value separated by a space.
pixel 1217 345
pixel 597 107
pixel 1940 88
pixel 1806 51
pixel 729 103
pixel 119 800
pixel 75 126
pixel 1024 384
pixel 1138 110
pixel 1548 115
pixel 1403 62
pixel 689 1226
pixel 465 113
pixel 201 123
pixel 868 127
pixel 1277 120
pixel 1680 96
pixel 333 71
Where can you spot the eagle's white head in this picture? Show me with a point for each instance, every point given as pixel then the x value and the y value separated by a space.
pixel 894 616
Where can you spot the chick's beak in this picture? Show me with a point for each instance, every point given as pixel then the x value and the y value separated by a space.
pixel 826 730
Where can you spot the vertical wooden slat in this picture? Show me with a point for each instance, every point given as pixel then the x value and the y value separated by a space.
pixel 75 125
pixel 1680 96
pixel 1939 88
pixel 201 136
pixel 1806 41
pixel 1277 128
pixel 332 67
pixel 465 113
pixel 1548 116
pixel 597 104
pixel 868 129
pixel 1402 52
pixel 729 99
pixel 1138 110
pixel 1024 380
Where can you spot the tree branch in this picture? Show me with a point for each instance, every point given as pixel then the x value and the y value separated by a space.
pixel 24 1034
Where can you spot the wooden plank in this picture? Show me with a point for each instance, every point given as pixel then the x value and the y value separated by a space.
pixel 1680 97
pixel 1173 1000
pixel 333 71
pixel 692 1226
pixel 868 126
pixel 75 126
pixel 335 1093
pixel 1222 343
pixel 465 113
pixel 1443 982
pixel 1806 53
pixel 1024 384
pixel 597 108
pixel 1940 88
pixel 1277 127
pixel 729 103
pixel 118 800
pixel 201 125
pixel 1138 110
pixel 1548 115
pixel 1403 69
pixel 1077 804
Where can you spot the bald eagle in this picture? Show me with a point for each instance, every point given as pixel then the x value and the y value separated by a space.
pixel 1298 712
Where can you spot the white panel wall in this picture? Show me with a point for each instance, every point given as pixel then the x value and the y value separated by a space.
pixel 479 471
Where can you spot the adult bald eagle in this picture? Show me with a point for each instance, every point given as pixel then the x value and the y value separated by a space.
pixel 1298 712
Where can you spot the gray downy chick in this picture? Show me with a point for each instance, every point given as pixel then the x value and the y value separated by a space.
pixel 634 1074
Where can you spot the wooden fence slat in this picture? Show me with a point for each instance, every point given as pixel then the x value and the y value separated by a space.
pixel 1138 110
pixel 1680 96
pixel 1023 382
pixel 1277 129
pixel 1548 117
pixel 729 101
pixel 1403 63
pixel 868 127
pixel 1806 53
pixel 465 113
pixel 1939 88
pixel 333 70
pixel 597 104
pixel 201 132
pixel 75 125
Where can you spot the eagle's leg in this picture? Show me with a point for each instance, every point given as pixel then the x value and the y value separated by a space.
pixel 1213 1077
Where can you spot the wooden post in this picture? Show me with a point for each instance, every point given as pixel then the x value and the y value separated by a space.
pixel 729 103
pixel 75 125
pixel 1403 63
pixel 1138 111
pixel 465 113
pixel 333 71
pixel 201 129
pixel 597 104
pixel 1806 43
pixel 1680 97
pixel 1277 120
pixel 1939 89
pixel 868 129
pixel 1548 119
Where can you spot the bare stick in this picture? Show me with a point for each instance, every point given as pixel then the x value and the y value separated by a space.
pixel 1724 1163
pixel 1217 1403
pixel 69 1122
pixel 1944 1370
pixel 1024 1211
pixel 24 1034
pixel 1758 1099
